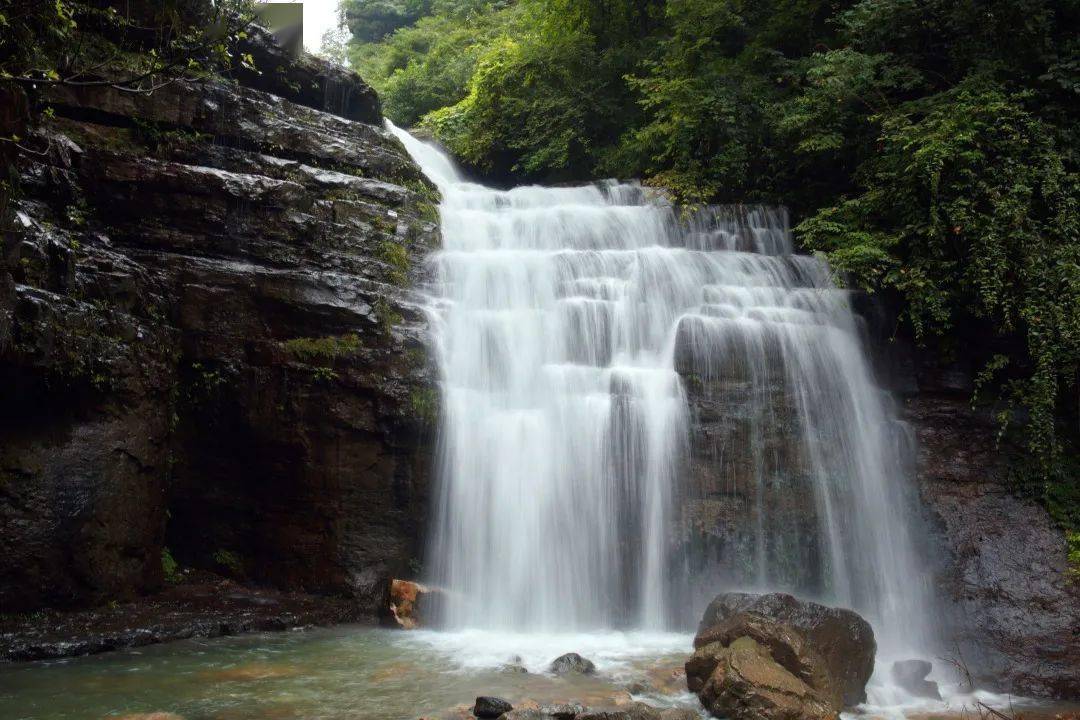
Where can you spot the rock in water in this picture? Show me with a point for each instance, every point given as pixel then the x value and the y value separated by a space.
pixel 746 683
pixel 911 675
pixel 843 639
pixel 635 711
pixel 490 707
pixel 572 663
pixel 403 603
pixel 563 711
pixel 787 646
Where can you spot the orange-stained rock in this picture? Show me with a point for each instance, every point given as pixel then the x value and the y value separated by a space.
pixel 403 603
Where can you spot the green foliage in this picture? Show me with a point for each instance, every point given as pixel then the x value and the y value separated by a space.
pixel 372 20
pixel 1057 489
pixel 387 316
pixel 425 404
pixel 428 66
pixel 508 87
pixel 1073 540
pixel 204 386
pixel 930 146
pixel 229 561
pixel 397 260
pixel 169 567
pixel 86 43
pixel 322 349
pixel 969 209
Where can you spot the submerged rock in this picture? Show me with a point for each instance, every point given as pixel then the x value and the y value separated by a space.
pixel 911 675
pixel 525 714
pixel 490 707
pixel 843 639
pixel 678 714
pixel 572 663
pixel 563 711
pixel 515 666
pixel 249 672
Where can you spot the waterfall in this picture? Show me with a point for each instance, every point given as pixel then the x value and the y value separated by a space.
pixel 575 329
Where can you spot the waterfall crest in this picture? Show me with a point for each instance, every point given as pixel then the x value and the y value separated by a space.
pixel 571 326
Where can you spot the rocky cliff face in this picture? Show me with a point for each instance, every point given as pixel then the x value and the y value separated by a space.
pixel 208 341
pixel 1013 607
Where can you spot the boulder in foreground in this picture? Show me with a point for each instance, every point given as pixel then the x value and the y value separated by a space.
pixel 746 683
pixel 772 657
pixel 843 639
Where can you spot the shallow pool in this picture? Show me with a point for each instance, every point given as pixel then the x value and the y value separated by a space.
pixel 364 673
pixel 353 672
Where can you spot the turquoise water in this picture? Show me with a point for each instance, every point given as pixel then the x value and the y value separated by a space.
pixel 351 672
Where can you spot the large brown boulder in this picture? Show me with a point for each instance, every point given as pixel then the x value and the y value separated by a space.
pixel 842 639
pixel 785 645
pixel 747 683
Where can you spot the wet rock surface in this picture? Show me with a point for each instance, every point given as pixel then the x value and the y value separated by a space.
pixel 748 478
pixel 787 646
pixel 572 663
pixel 842 639
pixel 577 711
pixel 1003 575
pixel 210 345
pixel 490 707
pixel 745 682
pixel 205 607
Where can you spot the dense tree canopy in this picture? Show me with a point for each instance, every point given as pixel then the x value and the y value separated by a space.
pixel 929 147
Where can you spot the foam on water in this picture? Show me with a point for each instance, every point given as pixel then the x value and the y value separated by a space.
pixel 612 651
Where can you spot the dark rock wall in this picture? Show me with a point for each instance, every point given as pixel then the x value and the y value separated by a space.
pixel 209 342
pixel 1010 602
pixel 1013 607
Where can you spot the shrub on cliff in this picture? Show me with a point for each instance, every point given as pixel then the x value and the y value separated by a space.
pixel 134 46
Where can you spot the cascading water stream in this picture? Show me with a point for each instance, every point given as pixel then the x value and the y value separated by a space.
pixel 569 325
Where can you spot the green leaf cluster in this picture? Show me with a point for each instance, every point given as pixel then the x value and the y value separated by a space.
pixel 133 46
